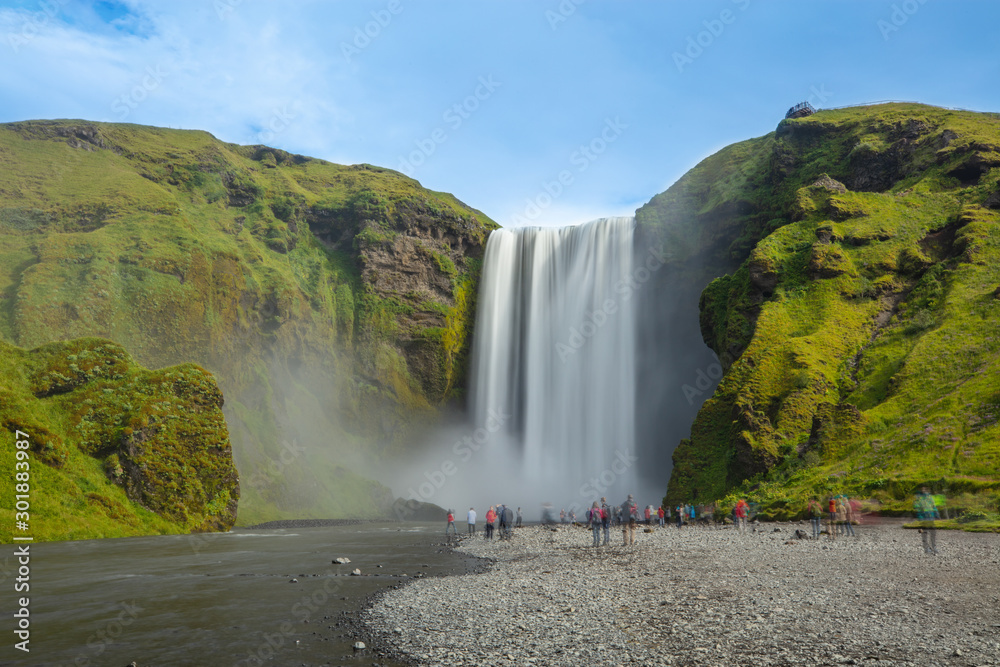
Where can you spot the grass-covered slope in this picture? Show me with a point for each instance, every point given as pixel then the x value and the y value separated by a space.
pixel 859 325
pixel 115 449
pixel 331 302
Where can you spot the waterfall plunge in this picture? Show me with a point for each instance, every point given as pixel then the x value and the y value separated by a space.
pixel 553 368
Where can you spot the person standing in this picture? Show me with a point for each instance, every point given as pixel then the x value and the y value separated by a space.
pixel 508 521
pixel 606 520
pixel 518 524
pixel 927 513
pixel 815 511
pixel 491 517
pixel 630 513
pixel 679 516
pixel 595 520
pixel 648 513
pixel 832 511
pixel 660 514
pixel 848 512
pixel 502 518
pixel 742 510
pixel 472 521
pixel 451 524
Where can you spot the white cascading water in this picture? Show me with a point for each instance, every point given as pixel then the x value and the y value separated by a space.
pixel 554 357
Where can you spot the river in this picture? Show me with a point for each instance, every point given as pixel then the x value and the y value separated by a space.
pixel 222 598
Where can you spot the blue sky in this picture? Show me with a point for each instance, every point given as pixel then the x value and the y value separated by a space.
pixel 534 111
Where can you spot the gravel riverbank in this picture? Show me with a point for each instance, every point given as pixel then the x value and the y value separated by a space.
pixel 703 596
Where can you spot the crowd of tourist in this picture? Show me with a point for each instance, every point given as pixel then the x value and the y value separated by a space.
pixel 833 516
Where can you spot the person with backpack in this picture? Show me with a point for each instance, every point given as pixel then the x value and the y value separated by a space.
pixel 742 510
pixel 595 518
pixel 491 517
pixel 630 513
pixel 606 520
pixel 815 511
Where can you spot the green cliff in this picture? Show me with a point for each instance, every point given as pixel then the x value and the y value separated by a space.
pixel 114 449
pixel 857 315
pixel 331 302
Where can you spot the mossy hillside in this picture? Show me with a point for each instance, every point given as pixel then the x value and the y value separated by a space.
pixel 115 449
pixel 859 332
pixel 274 271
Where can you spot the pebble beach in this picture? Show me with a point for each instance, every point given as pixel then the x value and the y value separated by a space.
pixel 704 596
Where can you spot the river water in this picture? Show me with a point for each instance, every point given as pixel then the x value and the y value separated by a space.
pixel 219 599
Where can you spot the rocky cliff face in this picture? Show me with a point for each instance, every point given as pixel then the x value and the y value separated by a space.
pixel 855 313
pixel 116 449
pixel 331 302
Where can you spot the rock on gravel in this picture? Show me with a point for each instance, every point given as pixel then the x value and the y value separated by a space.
pixel 705 596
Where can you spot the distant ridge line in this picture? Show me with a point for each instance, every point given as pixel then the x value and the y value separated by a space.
pixel 871 104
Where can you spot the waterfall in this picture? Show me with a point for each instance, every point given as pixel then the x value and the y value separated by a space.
pixel 553 362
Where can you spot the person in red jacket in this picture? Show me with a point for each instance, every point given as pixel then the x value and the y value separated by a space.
pixel 832 508
pixel 491 518
pixel 742 510
pixel 451 524
pixel 661 515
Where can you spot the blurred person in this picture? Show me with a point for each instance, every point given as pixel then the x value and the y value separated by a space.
pixel 841 516
pixel 472 521
pixel 648 515
pixel 848 517
pixel 606 520
pixel 491 517
pixel 742 510
pixel 519 517
pixel 832 510
pixel 680 516
pixel 502 517
pixel 508 519
pixel 815 511
pixel 661 515
pixel 927 514
pixel 451 524
pixel 630 513
pixel 595 518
